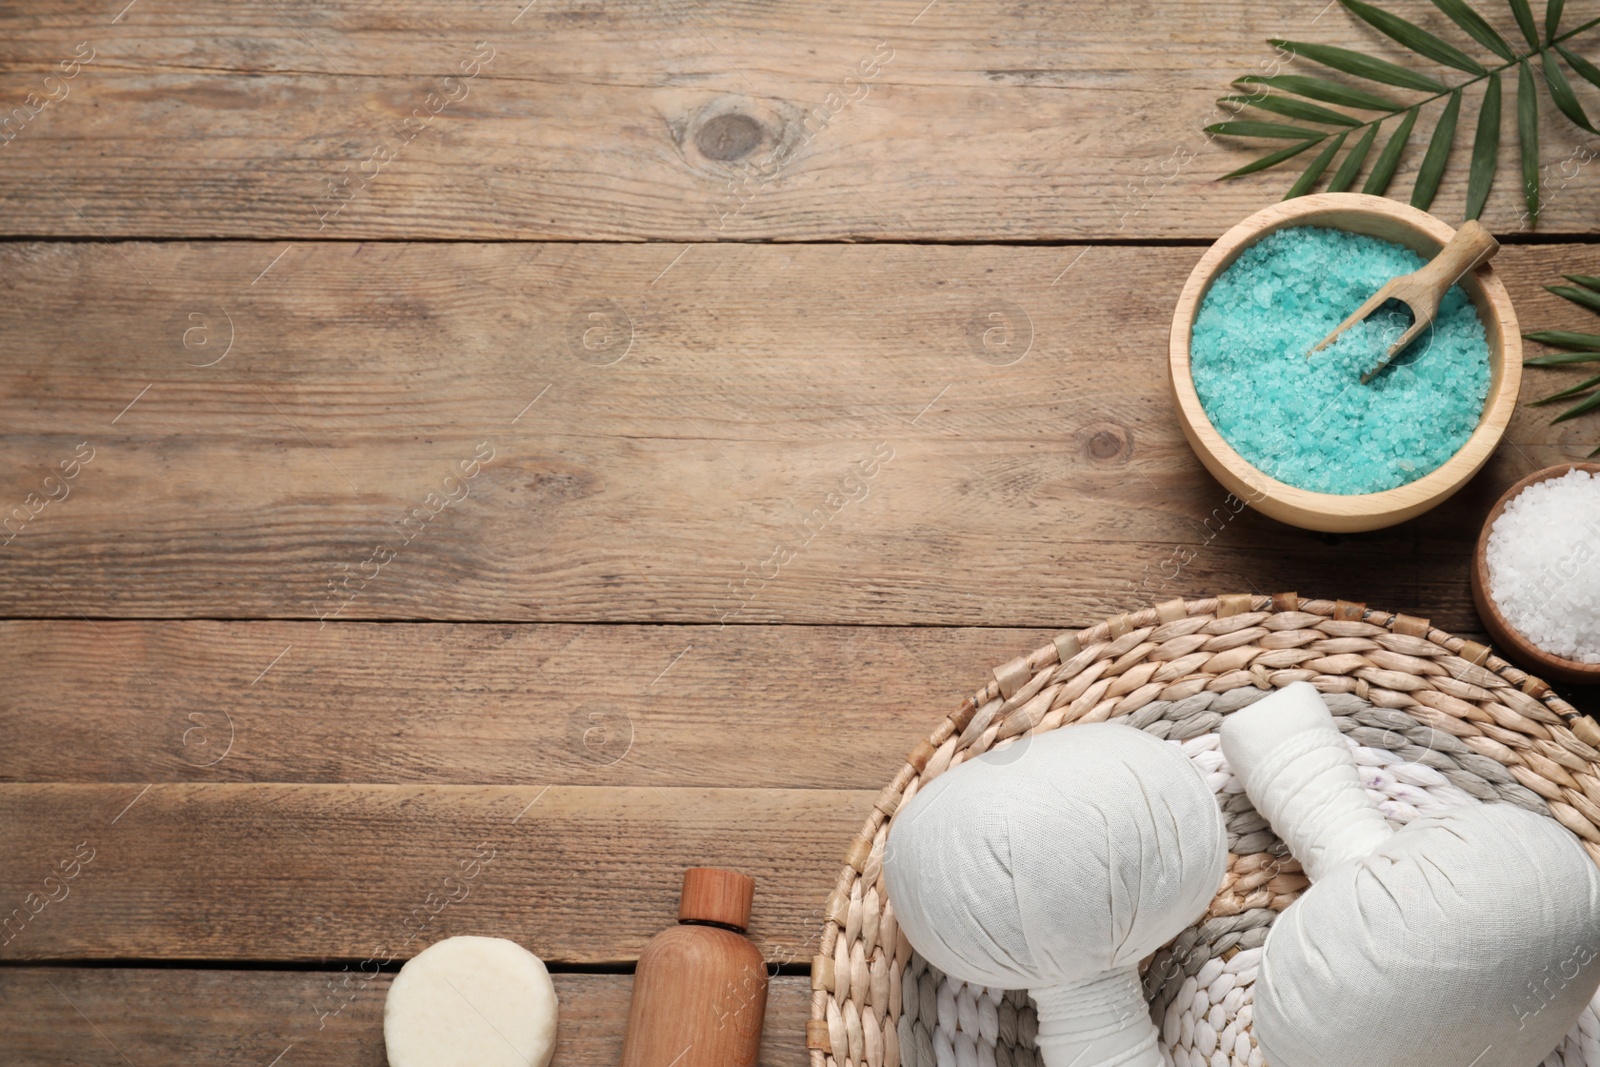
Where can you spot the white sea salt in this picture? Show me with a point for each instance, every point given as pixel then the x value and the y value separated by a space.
pixel 1544 565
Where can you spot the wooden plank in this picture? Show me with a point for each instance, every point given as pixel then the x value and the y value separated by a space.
pixel 749 706
pixel 503 705
pixel 88 1017
pixel 979 121
pixel 306 873
pixel 732 465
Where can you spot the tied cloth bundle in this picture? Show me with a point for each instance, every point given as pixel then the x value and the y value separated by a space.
pixel 1468 937
pixel 1055 865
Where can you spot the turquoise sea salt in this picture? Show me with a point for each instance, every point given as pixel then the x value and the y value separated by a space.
pixel 1311 423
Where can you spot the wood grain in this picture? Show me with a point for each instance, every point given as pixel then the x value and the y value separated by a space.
pixel 89 1017
pixel 987 121
pixel 462 705
pixel 711 474
pixel 620 686
pixel 371 873
pixel 456 704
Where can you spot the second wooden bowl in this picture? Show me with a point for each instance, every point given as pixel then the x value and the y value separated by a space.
pixel 1374 216
pixel 1549 667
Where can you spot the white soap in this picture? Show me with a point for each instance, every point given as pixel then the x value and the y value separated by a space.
pixel 471 1002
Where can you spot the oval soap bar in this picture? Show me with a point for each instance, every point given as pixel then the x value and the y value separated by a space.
pixel 471 1002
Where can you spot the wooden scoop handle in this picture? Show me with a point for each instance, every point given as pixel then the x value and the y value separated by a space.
pixel 1470 248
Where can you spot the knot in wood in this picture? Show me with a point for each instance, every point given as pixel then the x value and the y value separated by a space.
pixel 1109 444
pixel 729 137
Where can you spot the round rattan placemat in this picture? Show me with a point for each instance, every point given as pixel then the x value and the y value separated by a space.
pixel 1434 721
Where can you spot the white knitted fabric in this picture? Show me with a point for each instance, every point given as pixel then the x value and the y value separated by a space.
pixel 1055 866
pixel 1209 1024
pixel 1471 937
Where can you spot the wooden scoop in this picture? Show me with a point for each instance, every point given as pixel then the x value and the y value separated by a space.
pixel 1421 290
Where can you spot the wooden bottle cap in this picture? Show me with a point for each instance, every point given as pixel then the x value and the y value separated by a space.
pixel 714 895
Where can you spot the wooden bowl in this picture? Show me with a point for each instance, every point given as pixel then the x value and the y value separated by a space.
pixel 1374 216
pixel 1551 668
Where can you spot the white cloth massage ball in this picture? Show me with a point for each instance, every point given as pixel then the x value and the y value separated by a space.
pixel 471 1002
pixel 1055 865
pixel 1467 938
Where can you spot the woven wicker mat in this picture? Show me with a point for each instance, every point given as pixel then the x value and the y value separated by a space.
pixel 1433 721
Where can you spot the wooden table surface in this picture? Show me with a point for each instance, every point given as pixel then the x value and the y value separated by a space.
pixel 476 456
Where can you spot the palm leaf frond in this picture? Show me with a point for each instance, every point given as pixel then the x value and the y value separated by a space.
pixel 1528 137
pixel 1485 149
pixel 1363 66
pixel 1345 176
pixel 1389 158
pixel 1357 93
pixel 1578 409
pixel 1524 16
pixel 1314 171
pixel 1562 359
pixel 1565 339
pixel 1462 14
pixel 1444 138
pixel 1586 70
pixel 1581 387
pixel 1242 128
pixel 1314 88
pixel 1561 92
pixel 1289 107
pixel 1586 298
pixel 1414 37
pixel 1584 348
pixel 1272 159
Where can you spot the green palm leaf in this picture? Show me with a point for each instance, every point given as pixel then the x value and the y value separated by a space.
pixel 1414 37
pixel 1462 14
pixel 1587 298
pixel 1306 180
pixel 1528 135
pixel 1485 149
pixel 1524 15
pixel 1345 176
pixel 1586 70
pixel 1565 339
pixel 1389 158
pixel 1238 128
pixel 1363 66
pixel 1432 169
pixel 1561 92
pixel 1313 88
pixel 1562 359
pixel 1578 409
pixel 1301 98
pixel 1289 107
pixel 1583 348
pixel 1581 387
pixel 1272 159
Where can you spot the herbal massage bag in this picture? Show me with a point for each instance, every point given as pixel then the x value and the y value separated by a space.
pixel 1433 724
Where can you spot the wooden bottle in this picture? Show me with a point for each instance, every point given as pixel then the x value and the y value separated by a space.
pixel 700 990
